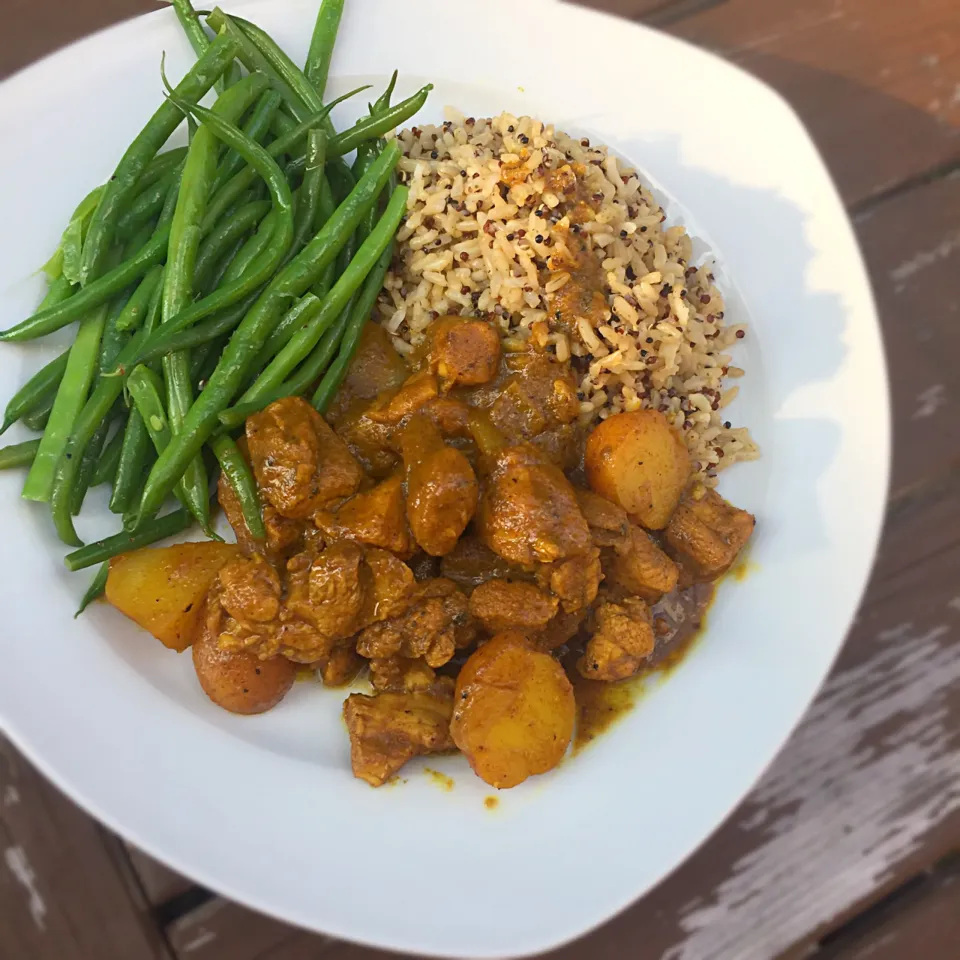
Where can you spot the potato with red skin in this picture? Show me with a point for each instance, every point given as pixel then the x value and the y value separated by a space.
pixel 163 588
pixel 640 462
pixel 239 681
pixel 513 711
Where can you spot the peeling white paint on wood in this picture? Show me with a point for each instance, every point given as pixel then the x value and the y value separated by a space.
pixel 204 937
pixel 930 401
pixel 925 258
pixel 875 765
pixel 18 864
pixel 11 796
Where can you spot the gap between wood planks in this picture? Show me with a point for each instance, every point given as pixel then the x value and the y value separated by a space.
pixel 922 913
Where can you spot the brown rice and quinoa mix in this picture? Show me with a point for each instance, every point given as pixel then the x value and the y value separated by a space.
pixel 559 241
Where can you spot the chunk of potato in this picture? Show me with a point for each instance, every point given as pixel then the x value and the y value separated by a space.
pixel 640 462
pixel 513 711
pixel 163 588
pixel 238 681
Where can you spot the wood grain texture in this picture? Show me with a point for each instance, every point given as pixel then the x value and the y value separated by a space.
pixel 61 895
pixel 221 930
pixel 877 83
pixel 32 30
pixel 911 243
pixel 924 923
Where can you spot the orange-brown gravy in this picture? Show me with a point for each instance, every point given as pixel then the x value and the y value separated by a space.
pixel 679 619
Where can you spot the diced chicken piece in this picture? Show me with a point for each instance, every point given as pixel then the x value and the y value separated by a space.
pixel 370 442
pixel 376 367
pixel 540 397
pixel 392 586
pixel 434 627
pixel 471 563
pixel 442 490
pixel 342 666
pixel 622 639
pixel 464 352
pixel 706 533
pixel 391 728
pixel 560 630
pixel 451 416
pixel 529 513
pixel 231 509
pixel 300 641
pixel 641 568
pixel 299 462
pixel 607 521
pixel 511 605
pixel 376 517
pixel 574 581
pixel 413 394
pixel 283 534
pixel 401 675
pixel 328 591
pixel 250 590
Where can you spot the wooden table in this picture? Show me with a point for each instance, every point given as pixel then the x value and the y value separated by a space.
pixel 849 847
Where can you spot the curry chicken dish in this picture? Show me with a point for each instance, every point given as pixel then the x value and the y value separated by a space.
pixel 453 529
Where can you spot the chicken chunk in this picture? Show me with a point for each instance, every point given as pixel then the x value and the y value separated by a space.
pixel 464 352
pixel 328 591
pixel 608 523
pixel 451 416
pixel 529 512
pixel 375 367
pixel 575 581
pixel 400 674
pixel 511 605
pixel 230 505
pixel 640 567
pixel 392 588
pixel 371 443
pixel 471 563
pixel 392 407
pixel 376 517
pixel 434 627
pixel 299 462
pixel 250 590
pixel 283 534
pixel 342 666
pixel 391 728
pixel 537 399
pixel 622 639
pixel 706 533
pixel 442 490
pixel 560 630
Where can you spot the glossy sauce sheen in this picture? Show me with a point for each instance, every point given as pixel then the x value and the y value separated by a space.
pixel 599 704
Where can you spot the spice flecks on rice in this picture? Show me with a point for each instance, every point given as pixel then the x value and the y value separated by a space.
pixel 561 243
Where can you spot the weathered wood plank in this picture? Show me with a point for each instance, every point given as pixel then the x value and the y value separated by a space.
pixel 912 246
pixel 876 83
pixel 32 30
pixel 221 930
pixel 61 895
pixel 924 924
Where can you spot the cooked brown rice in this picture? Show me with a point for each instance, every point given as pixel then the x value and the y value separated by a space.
pixel 476 246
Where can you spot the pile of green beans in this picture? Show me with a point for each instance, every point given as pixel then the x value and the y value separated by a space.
pixel 204 282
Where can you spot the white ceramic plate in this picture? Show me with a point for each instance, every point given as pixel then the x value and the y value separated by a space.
pixel 265 809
